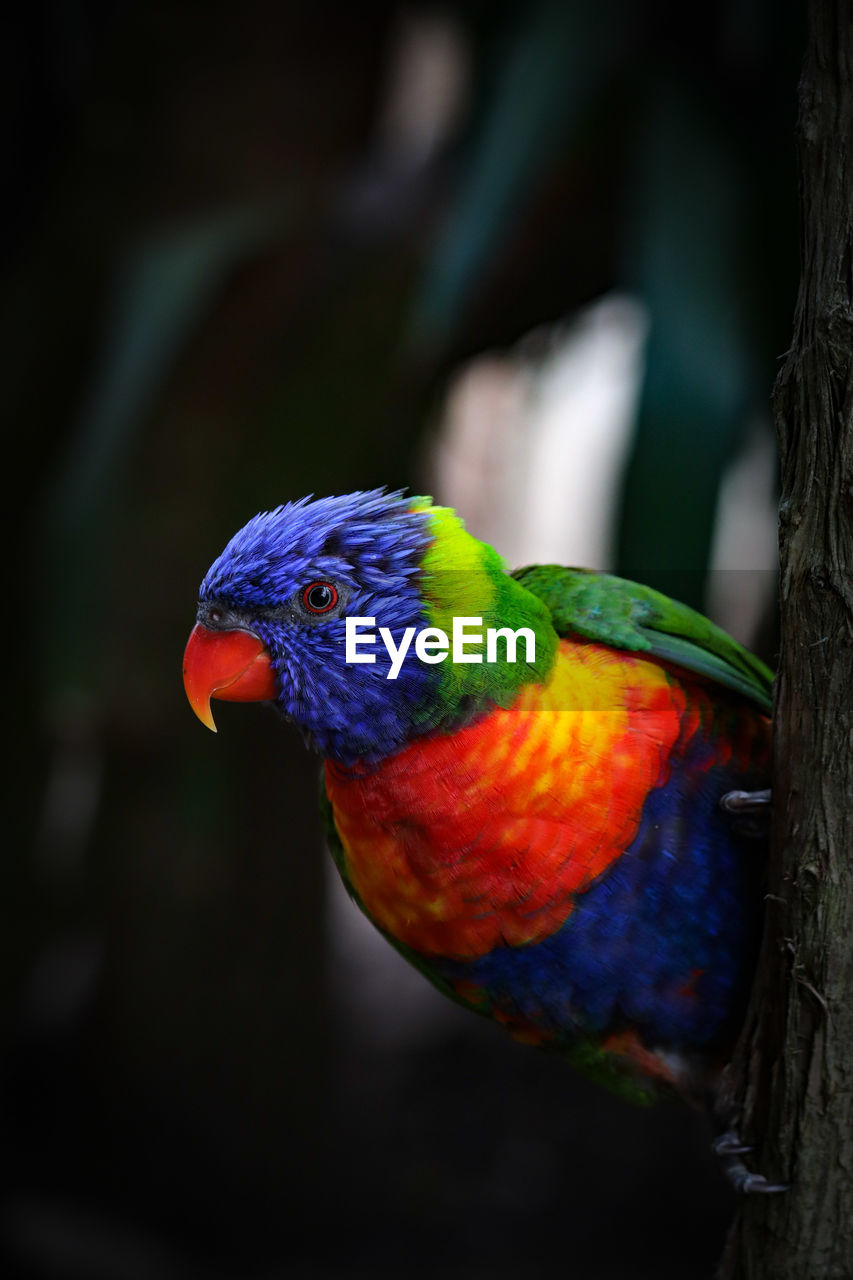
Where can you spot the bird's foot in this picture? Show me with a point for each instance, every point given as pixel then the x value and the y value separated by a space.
pixel 730 1144
pixel 729 1148
pixel 750 811
pixel 741 802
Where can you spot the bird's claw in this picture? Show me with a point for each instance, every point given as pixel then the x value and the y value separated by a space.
pixel 729 1148
pixel 748 1184
pixel 729 1144
pixel 740 802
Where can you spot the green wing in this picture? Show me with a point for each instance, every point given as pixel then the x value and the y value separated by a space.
pixel 626 615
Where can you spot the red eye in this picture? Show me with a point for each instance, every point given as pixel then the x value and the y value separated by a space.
pixel 320 597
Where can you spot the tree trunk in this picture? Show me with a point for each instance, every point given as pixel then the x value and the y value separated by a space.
pixel 793 1073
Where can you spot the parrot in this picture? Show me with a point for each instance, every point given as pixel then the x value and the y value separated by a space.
pixel 557 833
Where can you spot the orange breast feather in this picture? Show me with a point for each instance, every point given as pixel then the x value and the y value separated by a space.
pixel 469 839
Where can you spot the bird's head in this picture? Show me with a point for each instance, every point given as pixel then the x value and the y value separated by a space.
pixel 273 610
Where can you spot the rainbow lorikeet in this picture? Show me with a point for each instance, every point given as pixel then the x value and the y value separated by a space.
pixel 535 826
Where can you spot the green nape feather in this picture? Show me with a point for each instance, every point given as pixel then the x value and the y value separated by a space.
pixel 627 615
pixel 462 577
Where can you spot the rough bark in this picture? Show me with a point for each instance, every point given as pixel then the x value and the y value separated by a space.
pixel 793 1073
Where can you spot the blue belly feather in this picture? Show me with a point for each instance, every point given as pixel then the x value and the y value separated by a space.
pixel 663 942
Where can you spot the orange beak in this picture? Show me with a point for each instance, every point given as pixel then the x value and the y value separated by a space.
pixel 231 665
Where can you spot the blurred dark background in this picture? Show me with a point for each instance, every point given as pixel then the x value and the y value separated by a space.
pixel 538 259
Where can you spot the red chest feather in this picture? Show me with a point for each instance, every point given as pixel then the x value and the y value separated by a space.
pixel 466 840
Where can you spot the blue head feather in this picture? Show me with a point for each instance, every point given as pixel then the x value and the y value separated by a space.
pixel 370 545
